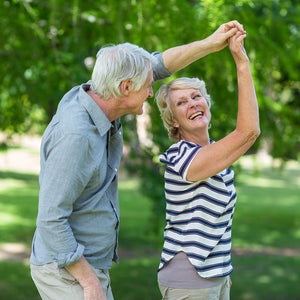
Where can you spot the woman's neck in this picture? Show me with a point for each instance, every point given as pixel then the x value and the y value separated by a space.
pixel 201 139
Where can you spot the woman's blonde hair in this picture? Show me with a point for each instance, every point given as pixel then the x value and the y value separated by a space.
pixel 162 100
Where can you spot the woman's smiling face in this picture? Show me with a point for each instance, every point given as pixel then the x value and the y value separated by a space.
pixel 190 110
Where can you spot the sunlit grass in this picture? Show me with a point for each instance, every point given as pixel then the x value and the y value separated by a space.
pixel 135 210
pixel 128 185
pixel 10 207
pixel 267 210
pixel 18 206
pixel 8 184
pixel 9 219
pixel 266 223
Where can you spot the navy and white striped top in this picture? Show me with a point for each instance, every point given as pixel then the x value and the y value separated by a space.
pixel 198 214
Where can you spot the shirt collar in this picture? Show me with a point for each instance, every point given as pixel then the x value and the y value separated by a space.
pixel 97 115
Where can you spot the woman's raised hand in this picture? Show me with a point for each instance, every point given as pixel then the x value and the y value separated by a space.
pixel 236 46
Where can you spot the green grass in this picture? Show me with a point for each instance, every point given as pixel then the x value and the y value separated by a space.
pixel 135 276
pixel 18 206
pixel 263 277
pixel 15 282
pixel 267 211
pixel 266 236
pixel 18 209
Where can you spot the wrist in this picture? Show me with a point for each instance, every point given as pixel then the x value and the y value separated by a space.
pixel 243 66
pixel 210 44
pixel 89 281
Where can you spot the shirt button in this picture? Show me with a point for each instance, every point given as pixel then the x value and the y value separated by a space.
pixel 120 132
pixel 116 169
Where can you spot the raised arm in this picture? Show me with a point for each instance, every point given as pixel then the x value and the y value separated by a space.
pixel 179 57
pixel 215 157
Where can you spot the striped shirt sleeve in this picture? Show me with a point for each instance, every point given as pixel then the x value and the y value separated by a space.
pixel 179 157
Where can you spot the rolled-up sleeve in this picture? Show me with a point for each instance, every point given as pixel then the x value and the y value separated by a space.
pixel 67 171
pixel 159 69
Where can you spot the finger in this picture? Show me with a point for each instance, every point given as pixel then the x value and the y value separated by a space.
pixel 227 27
pixel 236 41
pixel 231 32
pixel 235 36
pixel 241 38
pixel 235 24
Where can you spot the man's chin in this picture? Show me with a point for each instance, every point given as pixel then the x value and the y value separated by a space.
pixel 141 111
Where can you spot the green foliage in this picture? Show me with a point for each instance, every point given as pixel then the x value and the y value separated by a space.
pixel 273 33
pixel 50 46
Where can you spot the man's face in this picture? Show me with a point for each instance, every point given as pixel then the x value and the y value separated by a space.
pixel 137 98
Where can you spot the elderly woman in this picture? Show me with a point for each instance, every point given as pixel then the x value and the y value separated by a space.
pixel 200 195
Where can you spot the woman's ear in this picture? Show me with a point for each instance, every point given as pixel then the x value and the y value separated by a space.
pixel 175 124
pixel 126 87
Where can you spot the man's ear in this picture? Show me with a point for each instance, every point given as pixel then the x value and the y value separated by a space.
pixel 126 87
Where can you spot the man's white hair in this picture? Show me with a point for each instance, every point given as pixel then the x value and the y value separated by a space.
pixel 116 63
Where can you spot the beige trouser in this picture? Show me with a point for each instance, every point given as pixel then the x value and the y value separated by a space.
pixel 218 292
pixel 58 284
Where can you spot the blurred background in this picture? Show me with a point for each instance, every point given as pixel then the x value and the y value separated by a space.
pixel 47 47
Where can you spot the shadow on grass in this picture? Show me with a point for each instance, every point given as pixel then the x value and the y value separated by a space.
pixel 265 278
pixel 135 279
pixel 15 282
pixel 25 177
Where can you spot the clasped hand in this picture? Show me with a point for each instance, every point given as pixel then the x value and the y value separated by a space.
pixel 236 46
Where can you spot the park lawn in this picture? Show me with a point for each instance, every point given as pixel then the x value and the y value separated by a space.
pixel 266 237
pixel 18 209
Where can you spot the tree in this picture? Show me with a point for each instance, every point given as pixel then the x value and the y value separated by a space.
pixel 49 46
pixel 272 44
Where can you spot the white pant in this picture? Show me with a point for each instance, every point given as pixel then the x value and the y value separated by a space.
pixel 218 292
pixel 58 284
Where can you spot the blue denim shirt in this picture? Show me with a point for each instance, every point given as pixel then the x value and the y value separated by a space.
pixel 78 200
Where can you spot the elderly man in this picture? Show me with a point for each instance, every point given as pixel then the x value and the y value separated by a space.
pixel 78 219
